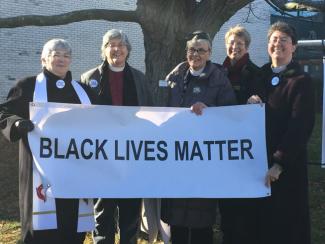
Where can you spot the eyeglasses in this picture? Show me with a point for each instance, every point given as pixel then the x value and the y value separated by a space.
pixel 200 51
pixel 282 40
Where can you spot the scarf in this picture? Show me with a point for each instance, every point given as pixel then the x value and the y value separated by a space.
pixel 234 71
pixel 44 209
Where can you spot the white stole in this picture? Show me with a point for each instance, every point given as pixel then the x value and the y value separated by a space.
pixel 44 212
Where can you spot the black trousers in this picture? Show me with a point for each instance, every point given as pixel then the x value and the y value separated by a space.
pixel 240 221
pixel 128 220
pixel 55 237
pixel 185 235
pixel 67 223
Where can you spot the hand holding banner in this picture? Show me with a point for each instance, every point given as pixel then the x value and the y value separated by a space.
pixel 87 151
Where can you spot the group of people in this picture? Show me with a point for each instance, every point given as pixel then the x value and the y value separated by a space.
pixel 282 85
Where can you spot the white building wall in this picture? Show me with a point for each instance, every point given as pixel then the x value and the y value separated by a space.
pixel 21 47
pixel 257 23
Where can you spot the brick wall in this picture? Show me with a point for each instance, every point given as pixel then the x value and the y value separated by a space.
pixel 21 47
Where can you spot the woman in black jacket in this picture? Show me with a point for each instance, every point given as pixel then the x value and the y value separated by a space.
pixel 241 71
pixel 237 223
pixel 288 95
pixel 15 124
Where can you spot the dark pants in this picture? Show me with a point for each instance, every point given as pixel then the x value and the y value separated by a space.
pixel 67 223
pixel 106 220
pixel 185 235
pixel 55 237
pixel 239 221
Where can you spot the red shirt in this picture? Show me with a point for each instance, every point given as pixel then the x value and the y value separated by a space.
pixel 116 87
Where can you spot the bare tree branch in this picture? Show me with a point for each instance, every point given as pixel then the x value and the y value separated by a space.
pixel 206 11
pixel 164 24
pixel 67 18
pixel 251 12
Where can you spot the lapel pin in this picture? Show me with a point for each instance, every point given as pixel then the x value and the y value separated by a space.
pixel 60 84
pixel 275 81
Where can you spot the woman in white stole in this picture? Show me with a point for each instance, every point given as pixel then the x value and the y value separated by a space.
pixel 54 84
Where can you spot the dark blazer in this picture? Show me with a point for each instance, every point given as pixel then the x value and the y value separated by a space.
pixel 242 77
pixel 290 118
pixel 17 107
pixel 138 84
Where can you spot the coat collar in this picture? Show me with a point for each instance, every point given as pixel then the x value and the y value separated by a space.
pixel 207 71
pixel 293 69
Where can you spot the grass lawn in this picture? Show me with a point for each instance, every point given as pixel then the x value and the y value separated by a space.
pixel 9 211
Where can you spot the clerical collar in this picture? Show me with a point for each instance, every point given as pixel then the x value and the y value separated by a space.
pixel 116 69
pixel 196 72
pixel 278 69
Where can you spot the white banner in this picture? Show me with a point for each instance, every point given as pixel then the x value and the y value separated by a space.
pixel 87 151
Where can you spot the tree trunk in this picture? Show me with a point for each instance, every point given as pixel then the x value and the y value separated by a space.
pixel 165 25
pixel 164 41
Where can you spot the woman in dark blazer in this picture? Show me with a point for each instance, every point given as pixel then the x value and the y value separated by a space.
pixel 288 95
pixel 237 224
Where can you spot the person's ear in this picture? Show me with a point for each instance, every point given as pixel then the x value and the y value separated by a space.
pixel 43 61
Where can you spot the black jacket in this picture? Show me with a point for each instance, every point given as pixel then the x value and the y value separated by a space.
pixel 242 77
pixel 289 122
pixel 136 88
pixel 17 107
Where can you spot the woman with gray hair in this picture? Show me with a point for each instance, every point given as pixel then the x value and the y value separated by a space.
pixel 53 84
pixel 196 83
pixel 117 83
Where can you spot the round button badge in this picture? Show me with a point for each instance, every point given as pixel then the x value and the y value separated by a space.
pixel 60 84
pixel 275 81
pixel 93 83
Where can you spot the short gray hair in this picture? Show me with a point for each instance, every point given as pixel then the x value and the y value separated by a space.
pixel 115 34
pixel 54 45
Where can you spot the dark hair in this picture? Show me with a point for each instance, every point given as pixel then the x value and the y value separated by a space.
pixel 285 28
pixel 199 35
